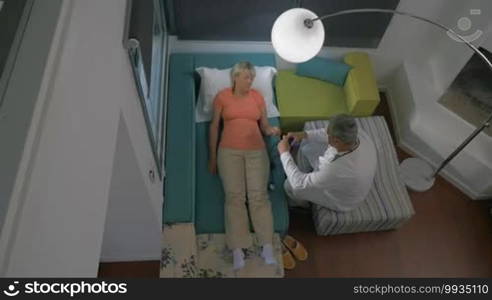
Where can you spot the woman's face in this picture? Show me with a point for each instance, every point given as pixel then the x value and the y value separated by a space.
pixel 243 81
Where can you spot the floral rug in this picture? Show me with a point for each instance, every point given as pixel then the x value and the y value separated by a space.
pixel 187 255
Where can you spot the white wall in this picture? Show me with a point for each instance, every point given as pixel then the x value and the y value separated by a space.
pixel 434 132
pixel 132 230
pixel 58 227
pixel 448 57
pixel 23 71
pixel 488 43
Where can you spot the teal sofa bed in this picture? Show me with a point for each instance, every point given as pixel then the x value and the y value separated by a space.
pixel 191 193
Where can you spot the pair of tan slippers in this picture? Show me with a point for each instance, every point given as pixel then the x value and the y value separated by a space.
pixel 291 248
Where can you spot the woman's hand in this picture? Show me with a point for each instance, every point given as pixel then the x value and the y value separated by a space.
pixel 283 146
pixel 212 166
pixel 273 131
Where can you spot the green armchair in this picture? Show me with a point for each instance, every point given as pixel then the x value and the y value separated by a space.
pixel 302 99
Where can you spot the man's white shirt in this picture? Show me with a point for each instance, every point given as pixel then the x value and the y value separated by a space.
pixel 340 184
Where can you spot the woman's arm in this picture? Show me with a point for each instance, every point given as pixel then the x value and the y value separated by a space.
pixel 265 125
pixel 213 138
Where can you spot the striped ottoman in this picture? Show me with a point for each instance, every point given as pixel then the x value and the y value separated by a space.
pixel 388 205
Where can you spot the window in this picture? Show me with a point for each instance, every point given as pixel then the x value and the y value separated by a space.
pixel 146 41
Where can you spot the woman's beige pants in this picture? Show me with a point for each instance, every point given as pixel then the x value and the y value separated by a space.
pixel 245 173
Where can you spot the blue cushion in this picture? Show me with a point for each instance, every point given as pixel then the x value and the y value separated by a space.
pixel 324 69
pixel 179 200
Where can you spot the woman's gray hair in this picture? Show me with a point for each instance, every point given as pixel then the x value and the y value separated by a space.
pixel 241 67
pixel 343 127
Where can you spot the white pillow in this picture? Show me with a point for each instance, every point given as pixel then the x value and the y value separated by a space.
pixel 215 80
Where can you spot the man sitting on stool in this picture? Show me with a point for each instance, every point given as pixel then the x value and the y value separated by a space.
pixel 334 167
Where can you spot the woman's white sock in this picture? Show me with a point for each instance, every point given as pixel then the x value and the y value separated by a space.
pixel 267 254
pixel 238 258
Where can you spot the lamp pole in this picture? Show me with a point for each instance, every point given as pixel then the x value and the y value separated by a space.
pixel 417 174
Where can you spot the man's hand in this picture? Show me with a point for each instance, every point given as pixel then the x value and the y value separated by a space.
pixel 283 146
pixel 297 136
pixel 273 131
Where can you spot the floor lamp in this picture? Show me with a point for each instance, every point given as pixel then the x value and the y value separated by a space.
pixel 297 36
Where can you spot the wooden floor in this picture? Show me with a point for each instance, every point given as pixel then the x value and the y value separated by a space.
pixel 449 236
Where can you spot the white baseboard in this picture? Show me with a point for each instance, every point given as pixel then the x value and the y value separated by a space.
pixel 205 46
pixel 126 257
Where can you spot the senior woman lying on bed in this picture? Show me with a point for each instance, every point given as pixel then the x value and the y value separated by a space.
pixel 243 163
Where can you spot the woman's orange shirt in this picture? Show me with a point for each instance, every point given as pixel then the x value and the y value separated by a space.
pixel 241 116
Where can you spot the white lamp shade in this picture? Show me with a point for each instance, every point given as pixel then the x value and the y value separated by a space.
pixel 292 40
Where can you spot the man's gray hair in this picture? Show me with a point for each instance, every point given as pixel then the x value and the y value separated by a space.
pixel 343 127
pixel 241 67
